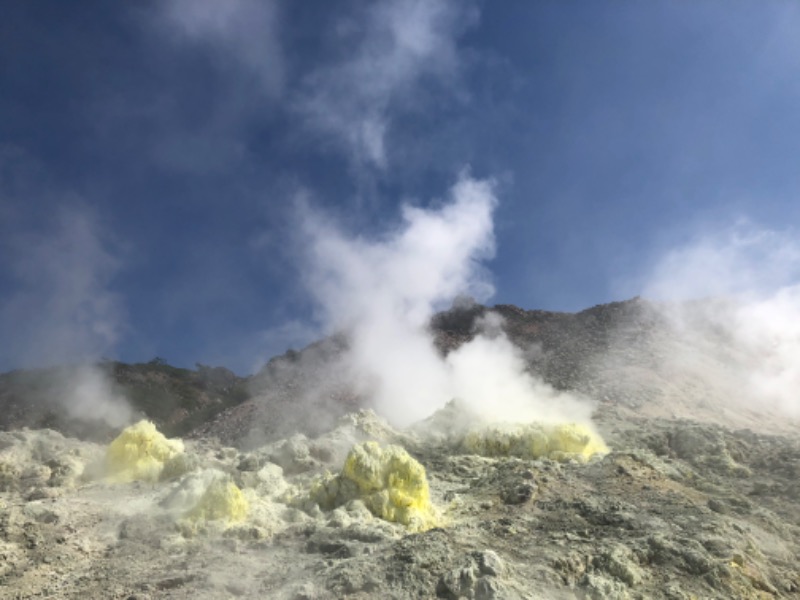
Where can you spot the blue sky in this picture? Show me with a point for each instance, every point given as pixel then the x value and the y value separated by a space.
pixel 153 155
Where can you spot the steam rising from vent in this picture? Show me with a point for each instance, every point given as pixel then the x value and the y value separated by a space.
pixel 489 373
pixel 383 291
pixel 752 323
pixel 89 394
pixel 66 312
pixel 742 261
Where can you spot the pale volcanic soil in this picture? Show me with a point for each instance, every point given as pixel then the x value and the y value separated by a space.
pixel 694 503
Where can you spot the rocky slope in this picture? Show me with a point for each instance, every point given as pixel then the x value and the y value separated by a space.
pixel 696 497
pixel 177 400
pixel 676 510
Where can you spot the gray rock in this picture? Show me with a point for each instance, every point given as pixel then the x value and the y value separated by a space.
pixel 519 493
pixel 489 563
pixel 457 582
pixel 487 588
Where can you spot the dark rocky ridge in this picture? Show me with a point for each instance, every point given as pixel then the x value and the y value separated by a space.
pixel 618 354
pixel 562 348
pixel 621 355
pixel 177 400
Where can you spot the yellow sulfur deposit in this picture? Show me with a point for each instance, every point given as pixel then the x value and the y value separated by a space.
pixel 561 442
pixel 391 484
pixel 222 500
pixel 139 453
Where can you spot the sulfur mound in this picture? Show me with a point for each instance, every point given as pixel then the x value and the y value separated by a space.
pixel 221 500
pixel 558 442
pixel 391 484
pixel 139 453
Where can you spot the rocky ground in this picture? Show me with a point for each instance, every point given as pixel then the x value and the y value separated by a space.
pixel 695 499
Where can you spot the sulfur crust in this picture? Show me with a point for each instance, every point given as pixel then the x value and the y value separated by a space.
pixel 562 442
pixel 221 500
pixel 391 484
pixel 139 453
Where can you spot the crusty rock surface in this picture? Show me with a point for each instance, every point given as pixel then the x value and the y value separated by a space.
pixel 667 514
pixel 696 498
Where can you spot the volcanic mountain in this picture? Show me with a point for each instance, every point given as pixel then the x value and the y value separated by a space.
pixel 288 485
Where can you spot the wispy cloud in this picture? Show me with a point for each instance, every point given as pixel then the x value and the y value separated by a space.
pixel 246 31
pixel 63 309
pixel 209 71
pixel 397 44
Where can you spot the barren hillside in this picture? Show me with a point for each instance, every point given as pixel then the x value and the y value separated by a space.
pixel 683 485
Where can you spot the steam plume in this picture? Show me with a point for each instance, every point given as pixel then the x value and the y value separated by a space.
pixel 65 312
pixel 753 323
pixel 383 291
pixel 398 43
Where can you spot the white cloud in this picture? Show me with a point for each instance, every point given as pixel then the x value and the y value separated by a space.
pixel 396 44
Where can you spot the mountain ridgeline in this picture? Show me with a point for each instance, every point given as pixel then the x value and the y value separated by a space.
pixel 621 355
